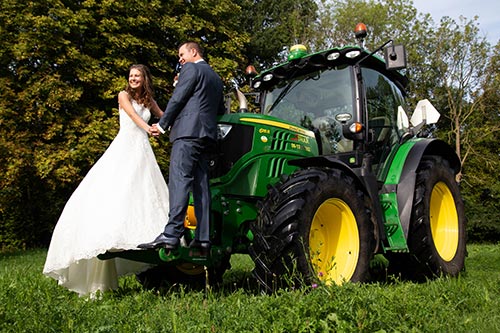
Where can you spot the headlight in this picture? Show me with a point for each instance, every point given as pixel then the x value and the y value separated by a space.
pixel 267 77
pixel 353 54
pixel 333 56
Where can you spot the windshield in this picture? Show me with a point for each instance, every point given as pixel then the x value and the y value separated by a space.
pixel 320 100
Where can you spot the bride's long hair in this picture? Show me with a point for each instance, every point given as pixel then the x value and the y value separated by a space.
pixel 145 96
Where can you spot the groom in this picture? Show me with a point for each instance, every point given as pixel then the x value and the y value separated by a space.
pixel 191 115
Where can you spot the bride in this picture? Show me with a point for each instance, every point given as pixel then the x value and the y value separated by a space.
pixel 121 202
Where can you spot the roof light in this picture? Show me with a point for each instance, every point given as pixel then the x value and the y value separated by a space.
pixel 267 77
pixel 250 71
pixel 297 51
pixel 353 54
pixel 333 56
pixel 360 31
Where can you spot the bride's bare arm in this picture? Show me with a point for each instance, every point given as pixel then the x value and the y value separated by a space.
pixel 126 105
pixel 155 109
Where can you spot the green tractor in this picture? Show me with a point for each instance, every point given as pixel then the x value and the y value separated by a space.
pixel 329 173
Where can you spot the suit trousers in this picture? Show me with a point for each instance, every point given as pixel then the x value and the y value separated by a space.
pixel 189 172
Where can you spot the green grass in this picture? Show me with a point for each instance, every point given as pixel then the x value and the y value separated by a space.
pixel 30 302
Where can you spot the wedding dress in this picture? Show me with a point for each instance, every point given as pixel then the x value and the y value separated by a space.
pixel 121 202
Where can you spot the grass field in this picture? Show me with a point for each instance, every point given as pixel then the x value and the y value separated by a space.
pixel 30 302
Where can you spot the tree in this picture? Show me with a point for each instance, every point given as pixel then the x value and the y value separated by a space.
pixel 481 178
pixel 63 64
pixel 390 19
pixel 274 25
pixel 457 63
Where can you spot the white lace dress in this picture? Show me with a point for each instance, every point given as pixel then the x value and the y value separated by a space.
pixel 121 202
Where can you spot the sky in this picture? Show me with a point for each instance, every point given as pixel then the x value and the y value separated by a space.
pixel 487 10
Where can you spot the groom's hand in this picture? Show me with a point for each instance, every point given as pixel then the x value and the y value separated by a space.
pixel 154 130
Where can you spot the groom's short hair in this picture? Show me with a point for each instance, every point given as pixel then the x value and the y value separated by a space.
pixel 193 45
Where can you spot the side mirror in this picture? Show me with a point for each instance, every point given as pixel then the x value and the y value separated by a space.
pixel 425 113
pixel 402 120
pixel 395 57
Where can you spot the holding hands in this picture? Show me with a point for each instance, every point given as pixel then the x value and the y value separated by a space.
pixel 153 130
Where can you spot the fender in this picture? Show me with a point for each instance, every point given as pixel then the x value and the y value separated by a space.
pixel 349 162
pixel 403 172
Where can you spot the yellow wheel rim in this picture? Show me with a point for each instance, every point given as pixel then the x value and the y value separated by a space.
pixel 444 221
pixel 334 242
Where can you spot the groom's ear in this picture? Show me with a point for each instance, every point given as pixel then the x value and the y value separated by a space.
pixel 194 52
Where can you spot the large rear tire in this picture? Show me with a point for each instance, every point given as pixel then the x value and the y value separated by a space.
pixel 313 226
pixel 437 234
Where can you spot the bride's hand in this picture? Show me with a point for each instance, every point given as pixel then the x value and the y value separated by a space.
pixel 154 131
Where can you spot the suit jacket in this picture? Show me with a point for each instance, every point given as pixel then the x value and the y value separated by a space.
pixel 197 100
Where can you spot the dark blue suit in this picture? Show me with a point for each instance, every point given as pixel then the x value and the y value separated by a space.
pixel 191 114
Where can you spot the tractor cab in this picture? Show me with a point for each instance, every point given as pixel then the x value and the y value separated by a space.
pixel 352 99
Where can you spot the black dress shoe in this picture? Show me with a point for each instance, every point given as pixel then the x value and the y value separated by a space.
pixel 169 243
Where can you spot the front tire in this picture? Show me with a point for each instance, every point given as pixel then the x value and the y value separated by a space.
pixel 314 226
